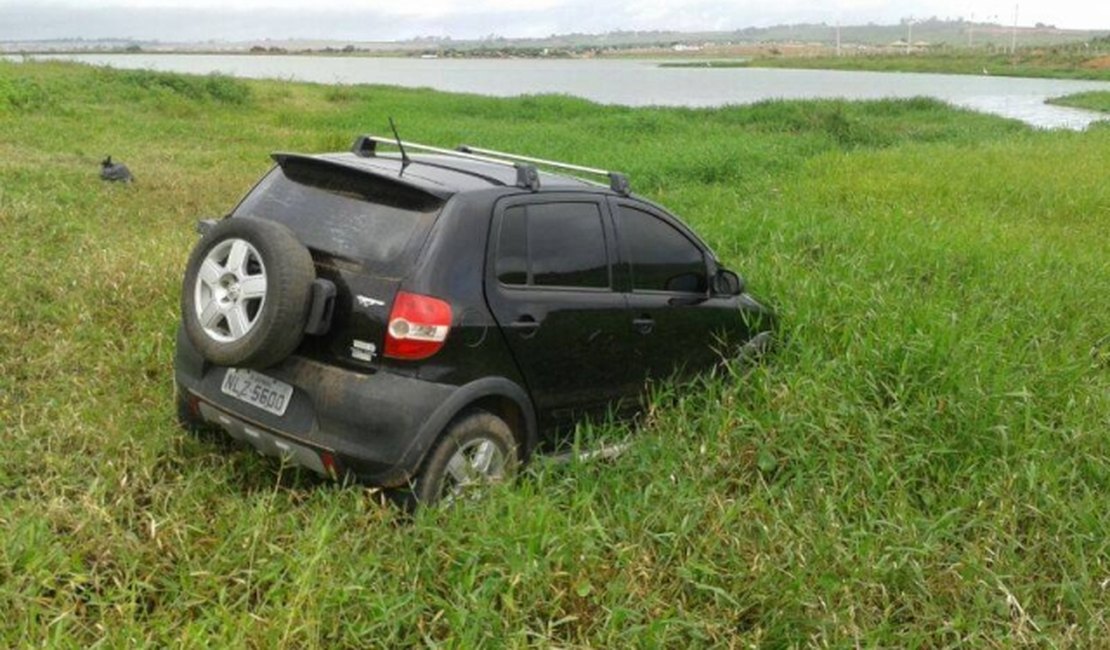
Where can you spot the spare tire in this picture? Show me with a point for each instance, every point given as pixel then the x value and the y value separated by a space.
pixel 246 294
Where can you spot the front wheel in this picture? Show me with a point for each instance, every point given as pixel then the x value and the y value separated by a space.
pixel 476 452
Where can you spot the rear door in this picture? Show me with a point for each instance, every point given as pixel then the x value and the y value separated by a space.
pixel 550 286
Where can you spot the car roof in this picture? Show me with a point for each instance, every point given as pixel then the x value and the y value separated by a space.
pixel 442 175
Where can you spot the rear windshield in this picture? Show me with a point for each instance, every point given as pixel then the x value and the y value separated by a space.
pixel 345 213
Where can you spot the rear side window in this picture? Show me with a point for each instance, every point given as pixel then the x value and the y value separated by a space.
pixel 345 213
pixel 553 245
pixel 662 258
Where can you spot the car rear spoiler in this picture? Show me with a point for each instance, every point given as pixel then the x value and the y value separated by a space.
pixel 282 157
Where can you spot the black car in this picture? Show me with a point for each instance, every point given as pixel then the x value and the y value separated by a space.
pixel 427 322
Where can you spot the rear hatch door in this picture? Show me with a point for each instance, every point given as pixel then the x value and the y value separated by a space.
pixel 364 232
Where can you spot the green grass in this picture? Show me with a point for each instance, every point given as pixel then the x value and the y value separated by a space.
pixel 1096 100
pixel 1056 62
pixel 925 463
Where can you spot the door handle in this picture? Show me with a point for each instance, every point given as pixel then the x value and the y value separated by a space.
pixel 644 324
pixel 526 325
pixel 686 301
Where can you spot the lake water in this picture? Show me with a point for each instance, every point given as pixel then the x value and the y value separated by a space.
pixel 638 82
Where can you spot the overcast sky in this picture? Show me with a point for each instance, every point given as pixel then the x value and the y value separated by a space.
pixel 369 20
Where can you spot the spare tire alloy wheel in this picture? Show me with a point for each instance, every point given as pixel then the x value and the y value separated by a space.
pixel 246 293
pixel 230 290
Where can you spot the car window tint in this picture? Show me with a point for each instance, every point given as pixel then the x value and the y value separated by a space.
pixel 346 213
pixel 512 250
pixel 566 245
pixel 662 258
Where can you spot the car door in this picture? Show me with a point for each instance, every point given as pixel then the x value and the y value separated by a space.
pixel 549 284
pixel 680 325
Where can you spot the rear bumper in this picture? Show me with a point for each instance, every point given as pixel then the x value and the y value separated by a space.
pixel 270 443
pixel 376 427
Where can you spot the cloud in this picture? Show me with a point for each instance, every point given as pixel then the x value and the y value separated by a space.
pixel 367 20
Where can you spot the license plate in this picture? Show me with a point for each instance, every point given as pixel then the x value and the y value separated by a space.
pixel 257 389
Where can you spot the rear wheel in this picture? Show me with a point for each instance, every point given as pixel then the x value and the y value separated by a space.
pixel 476 452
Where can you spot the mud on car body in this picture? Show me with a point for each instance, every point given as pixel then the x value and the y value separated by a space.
pixel 425 323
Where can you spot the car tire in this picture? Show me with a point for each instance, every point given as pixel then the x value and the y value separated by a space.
pixel 246 293
pixel 475 452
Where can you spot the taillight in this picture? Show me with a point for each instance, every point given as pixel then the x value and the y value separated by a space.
pixel 331 466
pixel 193 404
pixel 418 326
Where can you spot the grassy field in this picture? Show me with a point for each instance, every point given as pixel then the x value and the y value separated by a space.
pixel 1093 101
pixel 925 463
pixel 1056 62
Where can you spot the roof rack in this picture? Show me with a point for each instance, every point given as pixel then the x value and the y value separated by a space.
pixel 527 176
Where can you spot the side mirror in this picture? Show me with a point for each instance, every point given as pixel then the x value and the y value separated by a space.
pixel 727 283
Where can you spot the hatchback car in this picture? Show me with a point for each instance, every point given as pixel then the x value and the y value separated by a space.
pixel 426 323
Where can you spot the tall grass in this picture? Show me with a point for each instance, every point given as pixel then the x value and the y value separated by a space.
pixel 925 462
pixel 1094 100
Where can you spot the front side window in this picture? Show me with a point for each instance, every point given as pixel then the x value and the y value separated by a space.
pixel 553 245
pixel 662 258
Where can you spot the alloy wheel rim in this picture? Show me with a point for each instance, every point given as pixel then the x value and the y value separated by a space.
pixel 230 290
pixel 475 465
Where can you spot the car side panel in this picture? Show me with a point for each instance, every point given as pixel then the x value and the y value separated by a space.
pixel 450 268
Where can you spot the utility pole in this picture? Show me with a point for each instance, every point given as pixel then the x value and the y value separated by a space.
pixel 971 32
pixel 838 37
pixel 909 34
pixel 1013 33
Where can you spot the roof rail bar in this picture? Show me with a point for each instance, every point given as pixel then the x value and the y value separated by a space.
pixel 527 176
pixel 618 182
